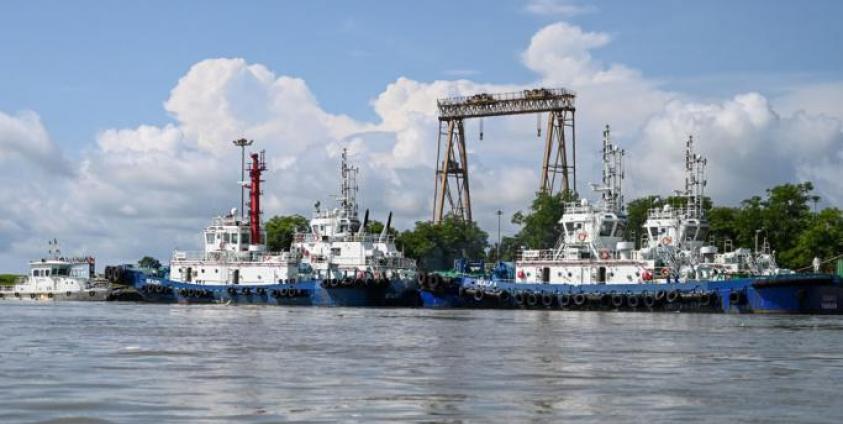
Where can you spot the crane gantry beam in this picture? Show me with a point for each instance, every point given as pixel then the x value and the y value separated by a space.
pixel 452 164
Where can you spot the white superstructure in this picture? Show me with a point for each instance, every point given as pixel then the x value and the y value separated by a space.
pixel 676 237
pixel 233 247
pixel 337 245
pixel 230 257
pixel 592 250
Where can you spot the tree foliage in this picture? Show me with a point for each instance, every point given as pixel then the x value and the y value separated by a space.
pixel 376 227
pixel 280 231
pixel 148 262
pixel 7 279
pixel 436 246
pixel 540 226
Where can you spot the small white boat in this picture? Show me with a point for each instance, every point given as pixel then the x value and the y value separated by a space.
pixel 59 278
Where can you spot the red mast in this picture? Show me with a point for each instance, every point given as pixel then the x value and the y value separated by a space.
pixel 255 169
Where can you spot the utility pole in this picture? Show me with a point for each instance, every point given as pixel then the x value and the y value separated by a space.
pixel 498 255
pixel 242 143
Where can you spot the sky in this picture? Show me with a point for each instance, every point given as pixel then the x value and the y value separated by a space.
pixel 116 118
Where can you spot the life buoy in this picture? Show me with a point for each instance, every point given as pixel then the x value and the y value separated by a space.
pixel 521 275
pixel 646 275
pixel 666 240
pixel 582 236
pixel 604 254
pixel 665 272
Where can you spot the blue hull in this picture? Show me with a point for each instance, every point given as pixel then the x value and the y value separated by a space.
pixel 790 294
pixel 302 293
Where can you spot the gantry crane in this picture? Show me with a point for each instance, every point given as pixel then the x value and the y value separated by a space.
pixel 451 178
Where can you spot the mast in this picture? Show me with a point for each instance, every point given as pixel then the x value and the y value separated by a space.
pixel 349 188
pixel 611 186
pixel 695 181
pixel 257 167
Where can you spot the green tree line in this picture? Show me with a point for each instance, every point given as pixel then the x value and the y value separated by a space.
pixel 785 216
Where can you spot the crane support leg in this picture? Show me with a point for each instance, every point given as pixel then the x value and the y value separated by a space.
pixel 452 173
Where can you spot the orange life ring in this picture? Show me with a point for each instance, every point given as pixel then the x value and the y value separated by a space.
pixel 604 254
pixel 582 236
pixel 665 272
pixel 521 275
pixel 666 240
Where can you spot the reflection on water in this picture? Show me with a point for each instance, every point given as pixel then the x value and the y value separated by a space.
pixel 163 363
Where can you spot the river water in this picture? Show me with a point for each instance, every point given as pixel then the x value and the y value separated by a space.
pixel 125 362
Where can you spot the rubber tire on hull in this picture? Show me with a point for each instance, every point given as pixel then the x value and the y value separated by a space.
pixel 564 300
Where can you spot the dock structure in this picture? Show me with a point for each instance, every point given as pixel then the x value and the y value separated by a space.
pixel 558 173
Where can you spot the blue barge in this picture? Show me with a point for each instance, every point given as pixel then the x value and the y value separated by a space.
pixel 789 293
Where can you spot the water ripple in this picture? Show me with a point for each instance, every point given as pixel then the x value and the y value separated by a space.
pixel 126 363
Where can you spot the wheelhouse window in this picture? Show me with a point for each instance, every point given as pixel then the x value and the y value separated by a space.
pixel 619 229
pixel 244 238
pixel 234 238
pixel 690 233
pixel 209 238
pixel 606 228
pixel 226 238
pixel 336 251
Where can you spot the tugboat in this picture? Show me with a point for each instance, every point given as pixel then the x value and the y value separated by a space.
pixel 343 254
pixel 59 278
pixel 235 266
pixel 594 268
